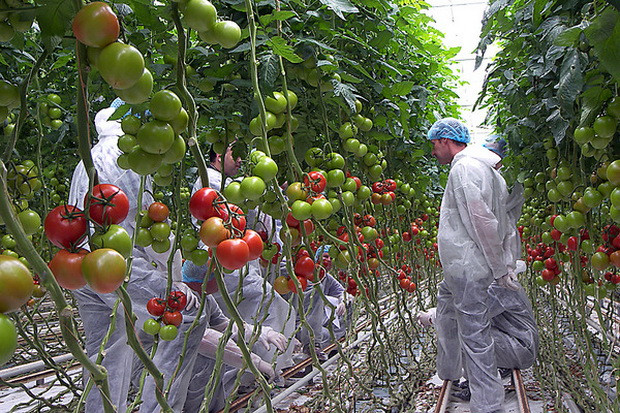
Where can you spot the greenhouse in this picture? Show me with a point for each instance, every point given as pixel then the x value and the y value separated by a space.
pixel 309 206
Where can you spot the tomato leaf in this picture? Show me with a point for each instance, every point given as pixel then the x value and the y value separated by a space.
pixel 604 35
pixel 269 69
pixel 592 101
pixel 278 15
pixel 340 7
pixel 346 91
pixel 571 78
pixel 280 47
pixel 54 17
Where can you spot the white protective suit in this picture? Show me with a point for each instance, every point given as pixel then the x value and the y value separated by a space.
pixel 148 280
pixel 260 304
pixel 473 238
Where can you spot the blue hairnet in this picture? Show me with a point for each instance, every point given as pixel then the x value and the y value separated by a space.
pixel 499 147
pixel 449 128
pixel 320 251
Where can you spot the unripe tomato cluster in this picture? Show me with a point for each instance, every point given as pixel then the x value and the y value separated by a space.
pixel 153 147
pixel 9 98
pixel 251 189
pixel 275 118
pixel 23 180
pixel 15 17
pixel 167 312
pixel 201 15
pixel 153 231
pixel 51 112
pixel 595 138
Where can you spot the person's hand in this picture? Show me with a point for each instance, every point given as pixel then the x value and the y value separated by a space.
pixel 427 319
pixel 193 300
pixel 508 281
pixel 341 308
pixel 297 346
pixel 269 336
pixel 263 367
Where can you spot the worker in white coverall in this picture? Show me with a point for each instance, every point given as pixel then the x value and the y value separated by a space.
pixel 513 325
pixel 148 279
pixel 473 240
pixel 259 304
pixel 232 358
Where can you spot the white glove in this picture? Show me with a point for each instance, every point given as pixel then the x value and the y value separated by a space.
pixel 508 281
pixel 427 318
pixel 193 299
pixel 269 336
pixel 232 353
pixel 263 366
pixel 341 308
pixel 520 267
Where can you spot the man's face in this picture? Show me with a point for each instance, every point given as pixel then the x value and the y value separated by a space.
pixel 441 151
pixel 231 165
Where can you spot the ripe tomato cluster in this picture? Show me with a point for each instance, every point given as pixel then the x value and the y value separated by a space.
pixel 383 192
pixel 66 227
pixel 167 312
pixel 224 229
pixel 405 280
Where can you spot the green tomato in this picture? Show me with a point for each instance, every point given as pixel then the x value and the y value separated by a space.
pixel 189 242
pixel 160 231
pixel 116 238
pixel 142 162
pixel 126 143
pixel 156 137
pixel 176 152
pixel 151 327
pixel 266 168
pixel 348 198
pixel 253 187
pixel 168 332
pixel 322 209
pixel 605 126
pixel 334 161
pixel 233 193
pixel 30 221
pixel 335 178
pixel 8 343
pixel 301 210
pixel 161 246
pixel 143 237
pixel 131 125
pixel 199 257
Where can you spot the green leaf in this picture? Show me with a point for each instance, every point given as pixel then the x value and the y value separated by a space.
pixel 280 47
pixel 269 69
pixel 62 61
pixel 571 78
pixel 604 35
pixel 398 89
pixel 380 136
pixel 350 78
pixel 592 101
pixel 54 17
pixel 278 15
pixel 346 91
pixel 340 7
pixel 568 37
pixel 558 125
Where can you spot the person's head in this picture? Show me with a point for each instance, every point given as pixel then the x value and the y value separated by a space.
pixel 231 165
pixel 499 148
pixel 448 136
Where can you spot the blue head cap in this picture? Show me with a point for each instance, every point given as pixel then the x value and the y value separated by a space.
pixel 499 147
pixel 320 251
pixel 449 128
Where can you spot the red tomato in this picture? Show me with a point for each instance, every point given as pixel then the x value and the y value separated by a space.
pixel 316 181
pixel 302 281
pixel 174 318
pixel 104 270
pixel 548 275
pixel 309 226
pixel 358 182
pixel 390 184
pixel 304 267
pixel 96 25
pixel 67 269
pixel 404 283
pixel 156 306
pixel 65 226
pixel 255 244
pixel 158 211
pixel 406 236
pixel 108 205
pixel 232 253
pixel 291 221
pixel 201 204
pixel 238 217
pixel 213 231
pixel 177 300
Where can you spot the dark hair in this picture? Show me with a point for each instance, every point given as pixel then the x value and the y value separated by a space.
pixel 212 154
